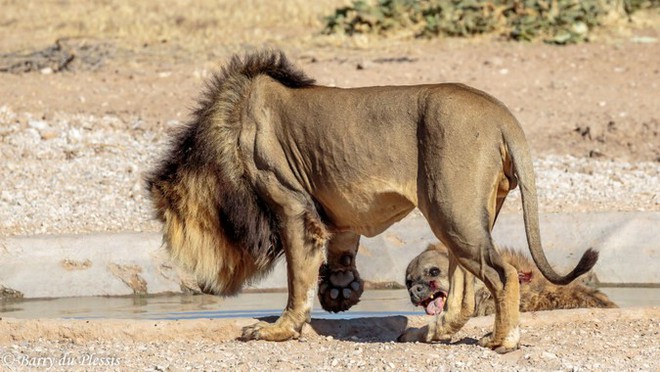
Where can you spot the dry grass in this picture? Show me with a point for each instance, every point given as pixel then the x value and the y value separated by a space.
pixel 194 25
pixel 197 26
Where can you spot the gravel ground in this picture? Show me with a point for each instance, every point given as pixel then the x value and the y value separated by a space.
pixel 74 147
pixel 548 343
pixel 74 173
pixel 81 173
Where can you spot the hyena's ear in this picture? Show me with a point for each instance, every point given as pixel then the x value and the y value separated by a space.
pixel 438 247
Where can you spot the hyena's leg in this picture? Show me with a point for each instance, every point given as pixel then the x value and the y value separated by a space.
pixel 340 286
pixel 304 247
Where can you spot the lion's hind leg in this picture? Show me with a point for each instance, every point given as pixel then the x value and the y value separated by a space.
pixel 461 211
pixel 340 286
pixel 501 279
pixel 506 335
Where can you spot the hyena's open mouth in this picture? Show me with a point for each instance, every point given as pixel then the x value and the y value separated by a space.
pixel 434 303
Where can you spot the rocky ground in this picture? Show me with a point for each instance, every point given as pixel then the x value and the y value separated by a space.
pixel 82 120
pixel 82 141
pixel 563 340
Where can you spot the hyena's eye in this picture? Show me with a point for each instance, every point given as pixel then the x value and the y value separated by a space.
pixel 434 271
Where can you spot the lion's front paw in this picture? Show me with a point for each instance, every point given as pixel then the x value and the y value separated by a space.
pixel 339 288
pixel 269 332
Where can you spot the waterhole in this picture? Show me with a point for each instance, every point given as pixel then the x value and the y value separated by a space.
pixel 374 303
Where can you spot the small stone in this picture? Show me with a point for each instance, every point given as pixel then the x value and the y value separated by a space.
pixel 37 124
pixel 48 134
pixel 644 39
pixel 5 196
pixel 547 355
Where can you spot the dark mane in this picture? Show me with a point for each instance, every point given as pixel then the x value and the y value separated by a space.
pixel 271 63
pixel 199 184
pixel 240 70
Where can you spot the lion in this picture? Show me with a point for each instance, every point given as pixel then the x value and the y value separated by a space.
pixel 272 164
pixel 427 284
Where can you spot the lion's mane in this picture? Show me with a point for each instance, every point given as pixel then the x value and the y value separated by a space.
pixel 215 224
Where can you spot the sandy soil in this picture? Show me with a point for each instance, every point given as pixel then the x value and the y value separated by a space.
pixel 569 340
pixel 596 99
pixel 74 145
pixel 96 110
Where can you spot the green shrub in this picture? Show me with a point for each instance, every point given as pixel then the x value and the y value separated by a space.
pixel 554 21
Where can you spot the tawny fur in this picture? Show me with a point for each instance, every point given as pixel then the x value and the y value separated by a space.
pixel 536 292
pixel 539 294
pixel 272 164
pixel 215 224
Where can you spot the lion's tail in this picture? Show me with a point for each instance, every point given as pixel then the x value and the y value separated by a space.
pixel 524 171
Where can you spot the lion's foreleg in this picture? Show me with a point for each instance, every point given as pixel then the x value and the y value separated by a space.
pixel 460 303
pixel 304 252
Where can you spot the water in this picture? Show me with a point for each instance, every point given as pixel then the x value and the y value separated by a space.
pixel 247 305
pixel 374 303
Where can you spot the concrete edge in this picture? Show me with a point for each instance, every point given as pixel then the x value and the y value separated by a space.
pixel 105 264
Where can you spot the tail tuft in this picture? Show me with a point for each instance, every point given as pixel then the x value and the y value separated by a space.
pixel 587 262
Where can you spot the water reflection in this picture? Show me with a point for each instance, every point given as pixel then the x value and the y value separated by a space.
pixel 374 303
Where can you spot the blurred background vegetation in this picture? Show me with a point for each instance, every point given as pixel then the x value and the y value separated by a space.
pixel 553 21
pixel 191 25
pixel 194 27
